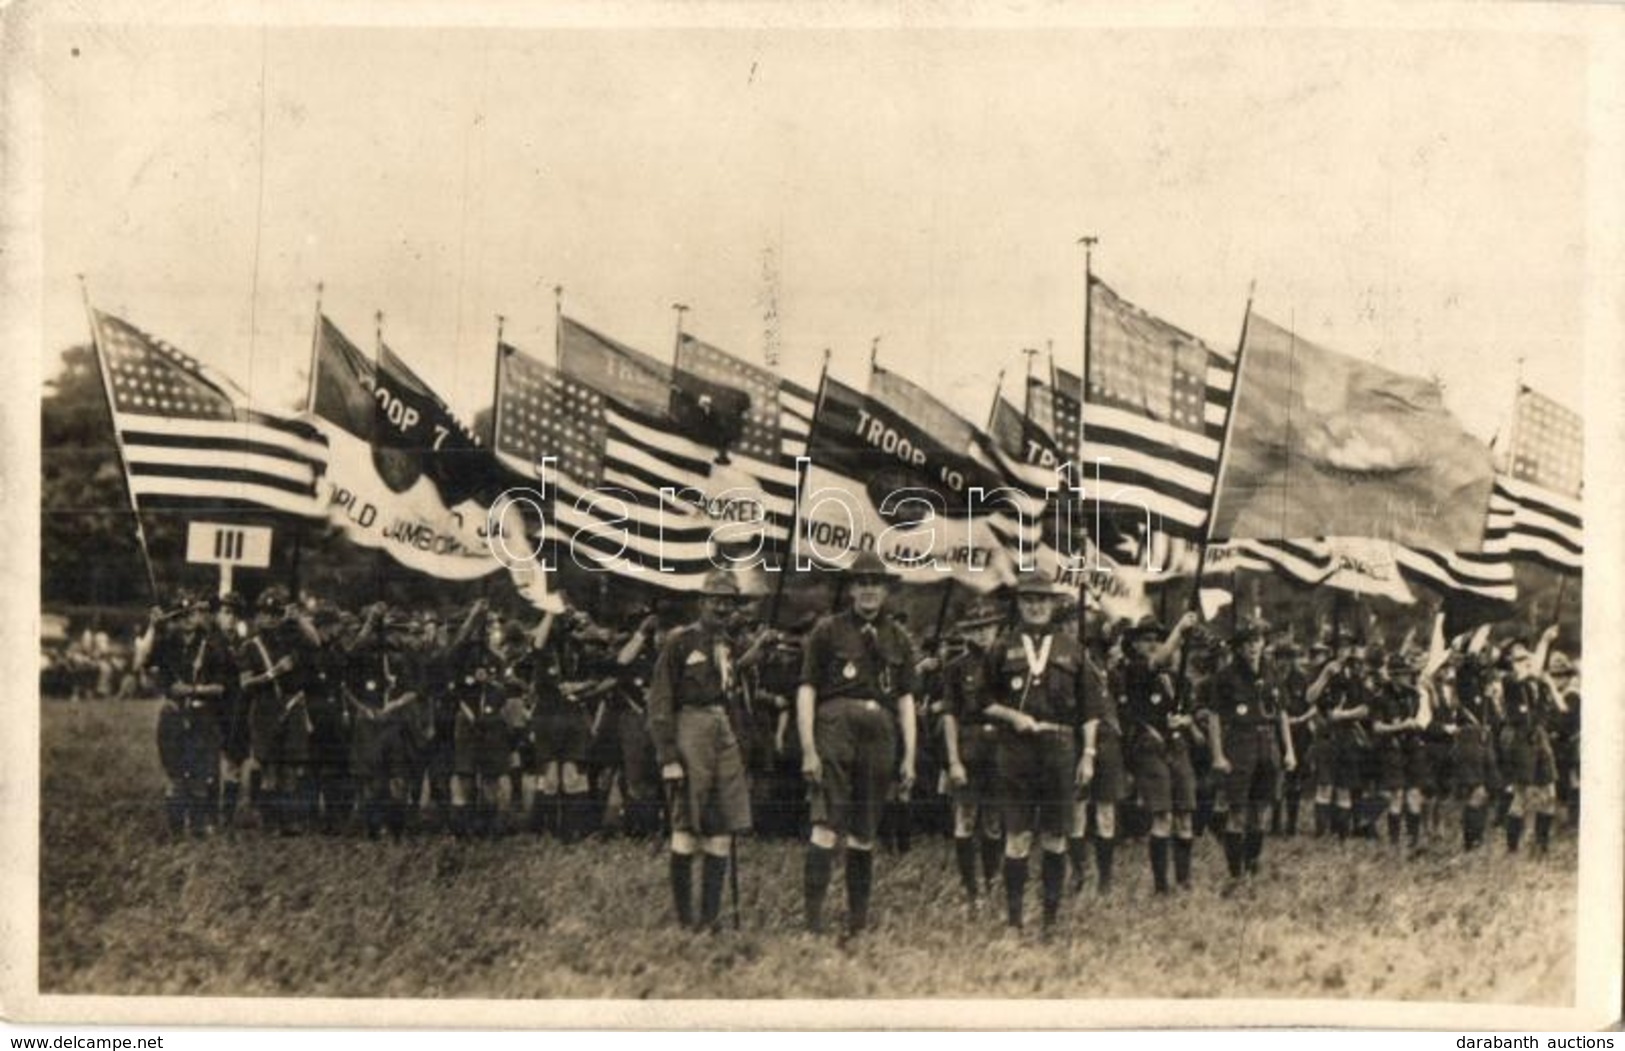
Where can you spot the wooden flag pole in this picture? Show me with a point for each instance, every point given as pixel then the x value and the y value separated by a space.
pixel 1088 241
pixel 1224 451
pixel 558 324
pixel 1027 390
pixel 795 512
pixel 295 562
pixel 998 391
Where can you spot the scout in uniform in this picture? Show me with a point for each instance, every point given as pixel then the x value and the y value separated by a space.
pixel 1034 682
pixel 1565 678
pixel 695 684
pixel 640 790
pixel 1103 769
pixel 1247 729
pixel 481 740
pixel 196 671
pixel 235 744
pixel 855 667
pixel 382 688
pixel 1158 726
pixel 275 661
pixel 969 738
pixel 1401 711
pixel 330 786
pixel 1530 706
pixel 1339 693
pixel 1293 676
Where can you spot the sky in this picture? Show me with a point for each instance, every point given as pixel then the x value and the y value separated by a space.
pixel 1413 197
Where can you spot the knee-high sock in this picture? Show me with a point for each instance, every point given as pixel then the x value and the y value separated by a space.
pixel 682 888
pixel 815 877
pixel 1015 888
pixel 1182 862
pixel 713 873
pixel 860 874
pixel 1104 851
pixel 1052 871
pixel 1159 863
pixel 965 858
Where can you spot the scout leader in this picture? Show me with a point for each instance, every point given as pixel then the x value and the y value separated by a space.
pixel 1035 676
pixel 696 679
pixel 857 680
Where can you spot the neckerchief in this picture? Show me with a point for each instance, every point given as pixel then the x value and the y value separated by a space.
pixel 1037 660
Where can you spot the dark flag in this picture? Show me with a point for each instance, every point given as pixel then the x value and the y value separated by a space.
pixel 416 433
pixel 405 513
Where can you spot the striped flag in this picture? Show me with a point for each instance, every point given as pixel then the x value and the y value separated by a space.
pixel 1548 444
pixel 1055 407
pixel 649 448
pixel 779 415
pixel 634 492
pixel 1156 400
pixel 1535 508
pixel 1529 522
pixel 191 442
pixel 1473 575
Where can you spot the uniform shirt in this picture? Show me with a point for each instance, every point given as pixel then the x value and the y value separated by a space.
pixel 1528 704
pixel 1345 691
pixel 262 649
pixel 632 679
pixel 695 669
pixel 1394 703
pixel 1294 685
pixel 202 658
pixel 1145 696
pixel 964 687
pixel 846 656
pixel 1240 697
pixel 1053 693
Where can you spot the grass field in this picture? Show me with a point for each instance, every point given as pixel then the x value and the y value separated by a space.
pixel 124 912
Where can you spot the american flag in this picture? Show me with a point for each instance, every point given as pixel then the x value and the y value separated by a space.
pixel 780 414
pixel 1155 404
pixel 1481 575
pixel 1535 508
pixel 1055 407
pixel 189 439
pixel 613 463
pixel 647 449
pixel 1548 444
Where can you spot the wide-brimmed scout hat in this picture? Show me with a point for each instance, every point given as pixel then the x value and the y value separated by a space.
pixel 1032 582
pixel 869 566
pixel 979 615
pixel 719 583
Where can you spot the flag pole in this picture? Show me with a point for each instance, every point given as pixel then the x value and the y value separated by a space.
pixel 1027 391
pixel 1224 452
pixel 496 388
pixel 118 439
pixel 998 390
pixel 874 355
pixel 296 559
pixel 942 609
pixel 315 347
pixel 1088 241
pixel 795 512
pixel 558 323
pixel 677 343
pixel 380 560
